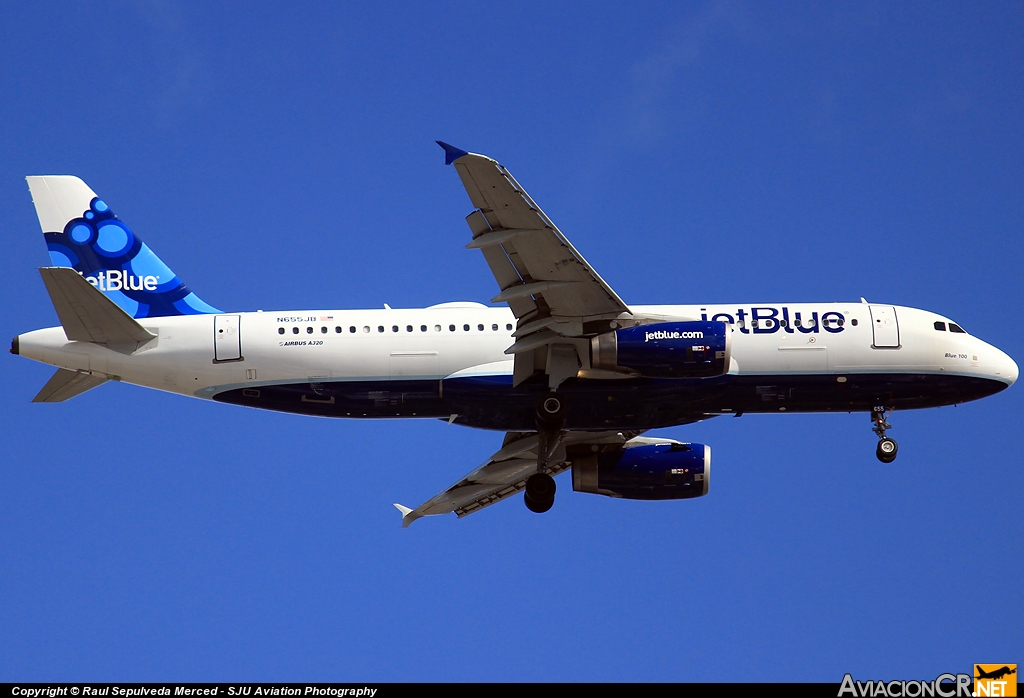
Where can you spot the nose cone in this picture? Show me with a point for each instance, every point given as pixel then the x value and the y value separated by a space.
pixel 1004 368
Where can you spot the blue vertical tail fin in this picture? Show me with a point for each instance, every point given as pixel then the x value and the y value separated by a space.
pixel 82 232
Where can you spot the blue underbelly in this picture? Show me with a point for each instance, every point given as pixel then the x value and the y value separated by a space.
pixel 490 402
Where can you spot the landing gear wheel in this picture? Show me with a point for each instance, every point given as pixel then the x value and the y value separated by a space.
pixel 551 412
pixel 538 508
pixel 540 493
pixel 886 451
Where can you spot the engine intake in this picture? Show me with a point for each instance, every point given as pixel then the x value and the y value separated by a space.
pixel 650 471
pixel 694 349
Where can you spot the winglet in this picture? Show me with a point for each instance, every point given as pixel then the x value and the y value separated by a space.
pixel 451 153
pixel 407 515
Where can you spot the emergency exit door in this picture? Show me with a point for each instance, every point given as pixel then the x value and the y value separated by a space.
pixel 885 327
pixel 227 342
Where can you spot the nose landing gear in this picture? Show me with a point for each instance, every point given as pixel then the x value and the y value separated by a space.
pixel 540 488
pixel 887 448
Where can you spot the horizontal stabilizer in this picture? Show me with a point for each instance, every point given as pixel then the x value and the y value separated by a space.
pixel 66 384
pixel 87 314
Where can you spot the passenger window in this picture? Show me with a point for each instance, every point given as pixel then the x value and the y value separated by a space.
pixel 494 327
pixel 465 328
pixel 853 322
pixel 394 328
pixel 841 321
pixel 940 326
pixel 309 330
pixel 451 328
pixel 337 330
pixel 352 328
pixel 280 330
pixel 437 328
pixel 380 328
pixel 323 330
pixel 508 326
pixel 956 328
pixel 753 323
pixel 480 328
pixel 408 328
pixel 423 328
pixel 366 328
pixel 295 330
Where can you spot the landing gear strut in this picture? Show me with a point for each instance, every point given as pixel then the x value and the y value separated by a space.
pixel 887 448
pixel 540 488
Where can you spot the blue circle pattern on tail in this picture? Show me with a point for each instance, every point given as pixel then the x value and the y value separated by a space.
pixel 113 259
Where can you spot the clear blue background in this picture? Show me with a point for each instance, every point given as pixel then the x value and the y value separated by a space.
pixel 281 156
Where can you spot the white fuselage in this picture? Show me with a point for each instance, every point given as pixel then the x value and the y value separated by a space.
pixel 433 343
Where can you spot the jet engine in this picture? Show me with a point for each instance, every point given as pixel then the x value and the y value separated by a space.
pixel 670 470
pixel 694 349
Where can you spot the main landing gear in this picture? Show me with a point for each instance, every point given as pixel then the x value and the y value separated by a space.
pixel 540 493
pixel 540 488
pixel 887 448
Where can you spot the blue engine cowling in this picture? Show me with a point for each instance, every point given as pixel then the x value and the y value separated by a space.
pixel 694 349
pixel 650 471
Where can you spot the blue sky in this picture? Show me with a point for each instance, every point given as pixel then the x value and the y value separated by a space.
pixel 283 157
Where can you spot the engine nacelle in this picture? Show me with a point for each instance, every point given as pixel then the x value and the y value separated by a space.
pixel 694 349
pixel 650 471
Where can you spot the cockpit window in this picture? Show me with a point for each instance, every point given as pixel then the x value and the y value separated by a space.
pixel 940 326
pixel 956 328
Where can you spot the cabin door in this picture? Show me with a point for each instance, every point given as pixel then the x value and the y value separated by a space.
pixel 227 342
pixel 885 327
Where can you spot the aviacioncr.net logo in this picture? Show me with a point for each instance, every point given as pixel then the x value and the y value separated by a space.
pixel 944 686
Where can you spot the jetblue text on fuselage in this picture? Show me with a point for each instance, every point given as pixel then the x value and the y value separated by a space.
pixel 767 320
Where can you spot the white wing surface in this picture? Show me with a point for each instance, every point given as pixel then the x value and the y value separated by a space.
pixel 549 286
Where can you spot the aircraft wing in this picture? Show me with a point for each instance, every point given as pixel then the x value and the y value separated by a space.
pixel 505 473
pixel 549 286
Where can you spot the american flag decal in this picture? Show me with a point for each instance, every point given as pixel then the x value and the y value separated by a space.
pixel 325 318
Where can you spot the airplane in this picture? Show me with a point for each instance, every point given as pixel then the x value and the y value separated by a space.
pixel 573 375
pixel 995 674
